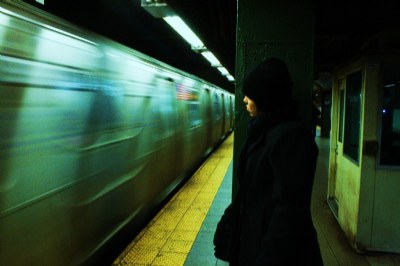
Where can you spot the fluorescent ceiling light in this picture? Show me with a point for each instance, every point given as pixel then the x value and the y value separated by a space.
pixel 230 78
pixel 182 29
pixel 197 45
pixel 223 71
pixel 211 58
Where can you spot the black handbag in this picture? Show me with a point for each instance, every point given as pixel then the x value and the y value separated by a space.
pixel 223 237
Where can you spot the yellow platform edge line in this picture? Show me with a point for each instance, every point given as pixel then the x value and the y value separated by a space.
pixel 169 236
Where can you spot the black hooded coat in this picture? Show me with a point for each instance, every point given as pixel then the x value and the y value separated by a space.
pixel 270 217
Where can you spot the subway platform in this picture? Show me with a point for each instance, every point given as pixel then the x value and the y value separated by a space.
pixel 182 232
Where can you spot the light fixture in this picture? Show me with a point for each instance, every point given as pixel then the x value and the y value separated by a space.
pixel 211 58
pixel 160 9
pixel 182 29
pixel 223 71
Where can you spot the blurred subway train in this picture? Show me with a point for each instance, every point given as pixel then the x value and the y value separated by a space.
pixel 93 137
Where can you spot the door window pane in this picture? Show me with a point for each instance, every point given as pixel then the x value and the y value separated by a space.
pixel 341 112
pixel 390 131
pixel 351 145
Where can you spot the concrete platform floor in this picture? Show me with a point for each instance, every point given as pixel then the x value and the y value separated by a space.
pixel 180 239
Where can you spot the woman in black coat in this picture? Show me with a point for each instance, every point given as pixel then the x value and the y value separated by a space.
pixel 269 221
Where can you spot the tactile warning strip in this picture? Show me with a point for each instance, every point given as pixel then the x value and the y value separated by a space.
pixel 168 238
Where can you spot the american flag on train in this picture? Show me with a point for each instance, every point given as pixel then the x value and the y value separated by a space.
pixel 183 93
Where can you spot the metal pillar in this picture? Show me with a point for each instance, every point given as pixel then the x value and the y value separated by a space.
pixel 282 29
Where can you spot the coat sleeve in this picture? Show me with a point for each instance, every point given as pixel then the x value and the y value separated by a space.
pixel 292 157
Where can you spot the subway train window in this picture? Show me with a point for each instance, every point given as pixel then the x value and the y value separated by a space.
pixel 351 145
pixel 165 109
pixel 217 106
pixel 191 97
pixel 194 114
pixel 390 118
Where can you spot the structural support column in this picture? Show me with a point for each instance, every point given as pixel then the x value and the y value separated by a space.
pixel 274 28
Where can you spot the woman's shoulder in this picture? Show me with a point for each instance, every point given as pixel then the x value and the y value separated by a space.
pixel 293 128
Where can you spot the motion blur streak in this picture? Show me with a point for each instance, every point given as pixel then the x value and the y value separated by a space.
pixel 93 136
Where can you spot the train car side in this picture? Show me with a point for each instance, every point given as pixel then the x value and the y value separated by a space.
pixel 93 134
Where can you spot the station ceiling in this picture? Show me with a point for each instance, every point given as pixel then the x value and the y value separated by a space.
pixel 343 30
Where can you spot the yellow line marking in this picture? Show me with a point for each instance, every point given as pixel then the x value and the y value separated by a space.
pixel 168 238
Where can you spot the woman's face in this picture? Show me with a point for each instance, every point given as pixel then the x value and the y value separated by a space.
pixel 250 106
